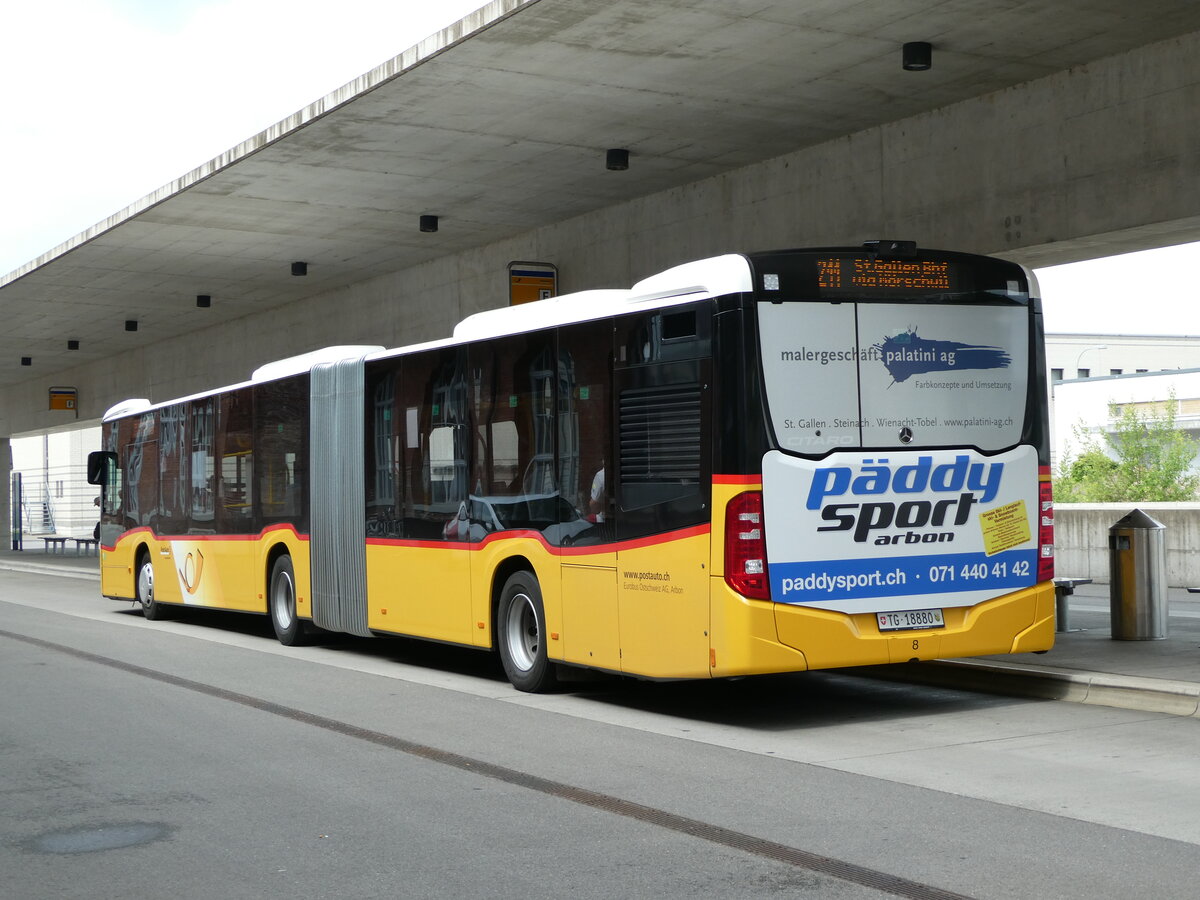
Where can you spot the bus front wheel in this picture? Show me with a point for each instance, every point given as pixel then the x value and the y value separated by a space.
pixel 151 608
pixel 288 627
pixel 521 620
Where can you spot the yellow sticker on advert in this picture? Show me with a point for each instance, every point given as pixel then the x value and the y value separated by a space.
pixel 1004 527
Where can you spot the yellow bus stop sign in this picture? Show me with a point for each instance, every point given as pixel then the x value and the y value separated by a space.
pixel 529 281
pixel 63 398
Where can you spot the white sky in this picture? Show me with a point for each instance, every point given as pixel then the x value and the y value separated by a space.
pixel 108 100
pixel 1149 292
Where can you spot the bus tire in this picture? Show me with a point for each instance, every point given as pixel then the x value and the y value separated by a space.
pixel 521 620
pixel 144 588
pixel 281 604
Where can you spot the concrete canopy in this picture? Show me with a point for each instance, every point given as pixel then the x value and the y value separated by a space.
pixel 500 123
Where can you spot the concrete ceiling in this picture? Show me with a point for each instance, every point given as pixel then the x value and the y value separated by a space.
pixel 499 125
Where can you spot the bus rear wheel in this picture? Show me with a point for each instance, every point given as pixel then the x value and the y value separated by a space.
pixel 521 620
pixel 282 605
pixel 151 608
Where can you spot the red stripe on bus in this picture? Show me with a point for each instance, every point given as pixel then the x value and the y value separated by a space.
pixel 653 540
pixel 610 547
pixel 146 529
pixel 737 479
pixel 590 549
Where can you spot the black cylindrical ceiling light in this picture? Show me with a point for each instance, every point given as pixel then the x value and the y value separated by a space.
pixel 299 268
pixel 27 360
pixel 429 224
pixel 616 160
pixel 131 324
pixel 204 301
pixel 72 345
pixel 917 56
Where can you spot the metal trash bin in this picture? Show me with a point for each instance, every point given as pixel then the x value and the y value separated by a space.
pixel 1137 559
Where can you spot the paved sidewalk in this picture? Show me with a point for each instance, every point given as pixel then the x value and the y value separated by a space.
pixel 1085 666
pixel 64 561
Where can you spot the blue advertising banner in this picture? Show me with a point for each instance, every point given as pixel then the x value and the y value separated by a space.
pixel 822 581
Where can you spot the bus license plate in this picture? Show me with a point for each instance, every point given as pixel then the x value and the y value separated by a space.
pixel 910 619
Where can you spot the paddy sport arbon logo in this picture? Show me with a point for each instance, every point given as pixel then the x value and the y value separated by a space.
pixel 971 483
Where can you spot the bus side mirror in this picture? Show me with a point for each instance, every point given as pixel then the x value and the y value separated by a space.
pixel 99 463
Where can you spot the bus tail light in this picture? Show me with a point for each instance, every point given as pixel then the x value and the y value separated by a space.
pixel 746 546
pixel 1045 570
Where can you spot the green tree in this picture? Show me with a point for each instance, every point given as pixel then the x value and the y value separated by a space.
pixel 1147 459
pixel 1088 478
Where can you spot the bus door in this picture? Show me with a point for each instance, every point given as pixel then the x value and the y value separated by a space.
pixel 141 501
pixel 663 491
pixel 584 529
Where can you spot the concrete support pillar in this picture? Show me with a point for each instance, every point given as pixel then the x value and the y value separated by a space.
pixel 5 494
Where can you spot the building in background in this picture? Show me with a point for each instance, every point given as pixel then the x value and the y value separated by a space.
pixel 55 496
pixel 1094 405
pixel 1073 356
pixel 1093 375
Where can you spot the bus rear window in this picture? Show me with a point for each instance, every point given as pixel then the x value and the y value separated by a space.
pixel 843 375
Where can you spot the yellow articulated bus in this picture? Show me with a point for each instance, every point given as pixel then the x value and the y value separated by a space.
pixel 755 463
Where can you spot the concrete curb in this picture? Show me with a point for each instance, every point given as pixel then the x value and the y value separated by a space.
pixel 1159 695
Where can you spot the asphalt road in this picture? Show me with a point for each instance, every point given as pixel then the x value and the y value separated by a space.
pixel 198 758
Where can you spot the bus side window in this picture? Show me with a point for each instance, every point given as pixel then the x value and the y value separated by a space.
pixel 676 333
pixel 173 460
pixel 113 475
pixel 585 428
pixel 433 395
pixel 235 484
pixel 140 499
pixel 113 491
pixel 203 466
pixel 384 423
pixel 281 448
pixel 664 457
pixel 513 475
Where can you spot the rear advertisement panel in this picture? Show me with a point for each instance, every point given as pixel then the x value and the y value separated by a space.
pixel 903 530
pixel 844 375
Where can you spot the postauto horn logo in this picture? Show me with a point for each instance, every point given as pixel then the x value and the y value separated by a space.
pixel 970 482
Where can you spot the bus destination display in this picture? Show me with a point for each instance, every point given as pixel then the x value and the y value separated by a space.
pixel 860 275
